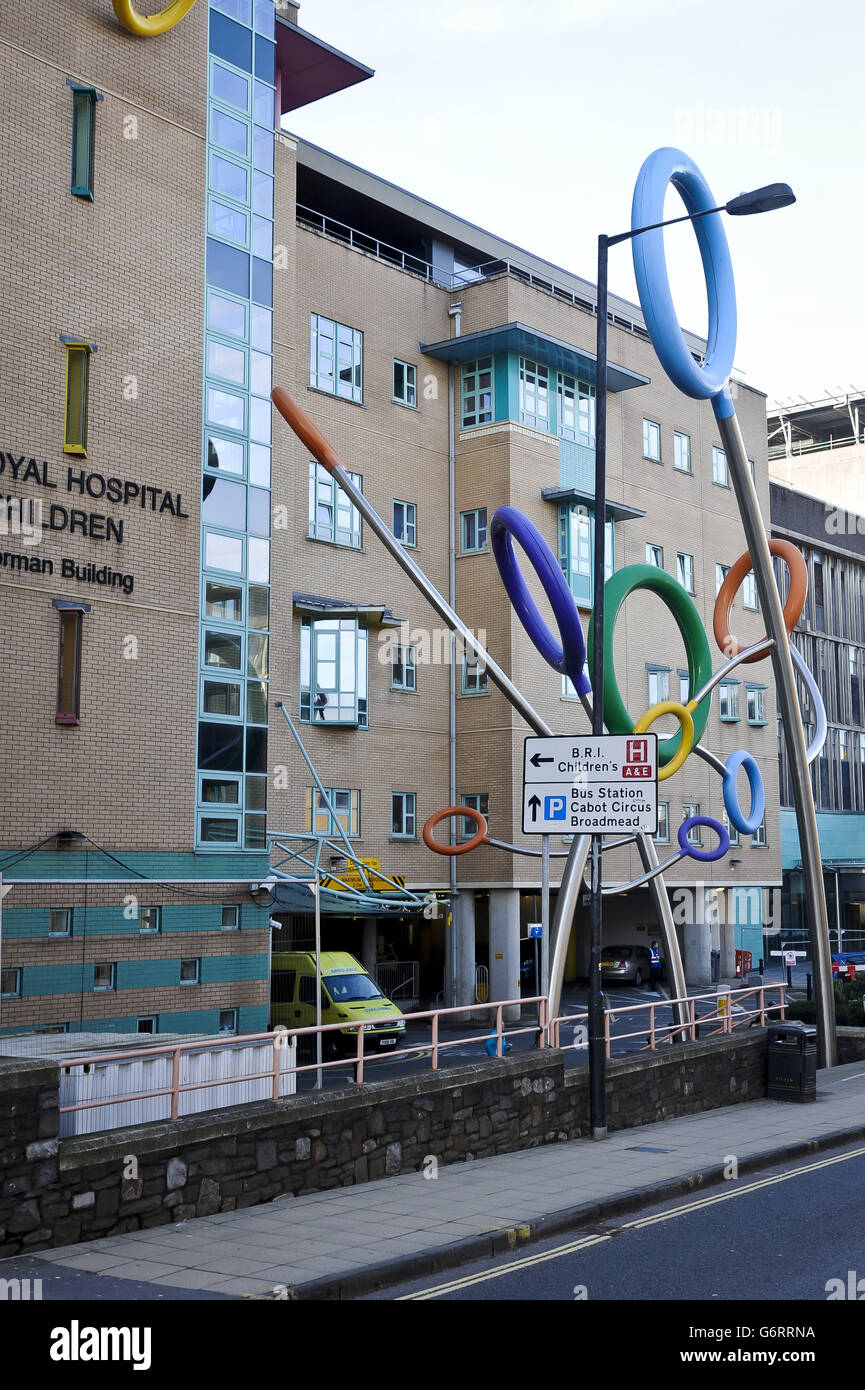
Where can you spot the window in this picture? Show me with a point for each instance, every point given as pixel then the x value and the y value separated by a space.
pixel 576 402
pixel 534 395
pixel 728 701
pixel 405 522
pixel 69 662
pixel 84 101
pixel 60 921
pixel 230 919
pixel 749 592
pixel 403 673
pixel 404 383
pixel 758 839
pixel 655 555
pixel 477 393
pixel 147 1025
pixel 659 684
pixel 651 441
pixel 333 516
pixel 719 467
pixel 228 1020
pixel 402 815
pixel 346 811
pixel 190 971
pixel 685 571
pixel 473 529
pixel 756 704
pixel 662 835
pixel 684 687
pixel 333 672
pixel 576 550
pixel 336 358
pixel 731 829
pixel 475 680
pixel 150 919
pixel 751 470
pixel 479 801
pixel 695 834
pixel 721 572
pixel 104 975
pixel 682 452
pixel 77 392
pixel 10 984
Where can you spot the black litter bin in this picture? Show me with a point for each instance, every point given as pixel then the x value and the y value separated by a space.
pixel 716 967
pixel 792 1059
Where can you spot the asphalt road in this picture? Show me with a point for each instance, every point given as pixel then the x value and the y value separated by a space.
pixel 781 1235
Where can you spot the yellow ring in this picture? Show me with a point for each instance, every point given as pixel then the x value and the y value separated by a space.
pixel 150 26
pixel 646 720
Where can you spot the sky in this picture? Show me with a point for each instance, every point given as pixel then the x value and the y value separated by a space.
pixel 532 120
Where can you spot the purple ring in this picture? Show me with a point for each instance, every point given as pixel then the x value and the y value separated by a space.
pixel 509 525
pixel 706 856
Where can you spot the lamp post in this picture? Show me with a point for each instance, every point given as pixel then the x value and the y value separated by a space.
pixel 315 890
pixel 766 199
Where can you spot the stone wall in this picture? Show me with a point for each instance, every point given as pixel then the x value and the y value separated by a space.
pixel 59 1192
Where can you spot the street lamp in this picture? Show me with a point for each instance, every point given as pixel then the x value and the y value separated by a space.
pixel 766 199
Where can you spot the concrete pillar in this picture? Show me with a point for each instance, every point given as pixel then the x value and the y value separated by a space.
pixel 368 943
pixel 728 935
pixel 698 939
pixel 460 952
pixel 505 947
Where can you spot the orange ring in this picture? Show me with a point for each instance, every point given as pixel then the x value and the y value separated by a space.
pixel 481 838
pixel 795 562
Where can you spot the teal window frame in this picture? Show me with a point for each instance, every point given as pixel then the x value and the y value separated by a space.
pixel 230 1015
pixel 661 689
pixel 111 966
pixel 408 395
pixel 18 973
pixel 695 834
pixel 186 961
pixel 144 915
pixel 684 687
pixel 474 679
pixel 314 808
pixel 575 421
pixel 728 709
pixel 403 667
pixel 477 394
pixel 345 355
pixel 720 472
pixel 405 522
pixel 84 101
pixel 682 452
pixel 406 804
pixel 233 922
pixel 731 829
pixel 66 913
pixel 576 550
pixel 346 687
pixel 662 834
pixel 332 516
pixel 759 693
pixel 685 571
pixel 651 436
pixel 479 801
pixel 759 840
pixel 474 523
pixel 534 394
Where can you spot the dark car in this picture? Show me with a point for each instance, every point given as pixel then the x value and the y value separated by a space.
pixel 630 964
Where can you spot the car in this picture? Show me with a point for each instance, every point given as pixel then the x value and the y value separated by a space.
pixel 841 963
pixel 630 965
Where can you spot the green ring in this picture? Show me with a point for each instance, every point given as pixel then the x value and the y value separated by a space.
pixel 689 623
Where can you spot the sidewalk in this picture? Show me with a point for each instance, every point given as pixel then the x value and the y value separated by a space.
pixel 349 1240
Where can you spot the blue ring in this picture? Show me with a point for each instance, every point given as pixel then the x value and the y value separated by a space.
pixel 706 856
pixel 746 825
pixel 650 267
pixel 509 525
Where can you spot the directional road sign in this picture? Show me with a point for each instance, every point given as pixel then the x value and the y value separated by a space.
pixel 579 783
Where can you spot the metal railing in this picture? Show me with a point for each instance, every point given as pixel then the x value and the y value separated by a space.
pixel 398 980
pixel 724 1004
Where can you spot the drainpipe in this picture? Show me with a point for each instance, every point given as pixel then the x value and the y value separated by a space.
pixel 455 311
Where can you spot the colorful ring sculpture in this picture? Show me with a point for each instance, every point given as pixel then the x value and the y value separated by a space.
pixel 152 25
pixel 746 825
pixel 798 570
pixel 705 856
pixel 480 838
pixel 686 741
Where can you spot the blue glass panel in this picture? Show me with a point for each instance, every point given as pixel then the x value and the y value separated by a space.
pixel 228 177
pixel 227 268
pixel 235 9
pixel 262 237
pixel 264 107
pixel 262 194
pixel 262 329
pixel 233 43
pixel 265 59
pixel 265 18
pixel 230 131
pixel 263 151
pixel 259 511
pixel 262 281
pixel 220 746
pixel 230 87
pixel 256 750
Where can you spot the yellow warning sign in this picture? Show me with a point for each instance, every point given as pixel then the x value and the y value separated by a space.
pixel 351 878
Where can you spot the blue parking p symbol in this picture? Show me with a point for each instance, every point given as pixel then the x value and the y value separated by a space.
pixel 554 808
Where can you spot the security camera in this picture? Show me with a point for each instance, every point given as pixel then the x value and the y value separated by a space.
pixel 277 926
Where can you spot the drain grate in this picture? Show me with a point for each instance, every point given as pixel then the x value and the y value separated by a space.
pixel 646 1149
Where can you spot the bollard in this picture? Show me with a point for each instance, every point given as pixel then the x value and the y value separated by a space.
pixel 809 981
